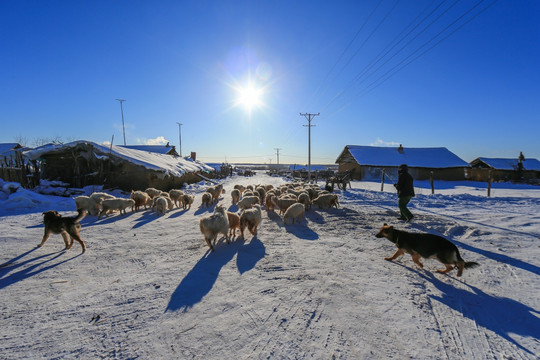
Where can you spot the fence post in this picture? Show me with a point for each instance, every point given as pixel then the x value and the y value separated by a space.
pixel 431 182
pixel 489 183
pixel 382 179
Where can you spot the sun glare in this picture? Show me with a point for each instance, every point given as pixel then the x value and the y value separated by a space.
pixel 249 97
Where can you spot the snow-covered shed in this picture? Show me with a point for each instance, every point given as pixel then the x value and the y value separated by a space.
pixel 11 154
pixel 159 149
pixel 82 163
pixel 367 162
pixel 505 169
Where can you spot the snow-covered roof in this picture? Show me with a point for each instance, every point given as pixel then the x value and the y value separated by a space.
pixel 437 157
pixel 167 164
pixel 508 164
pixel 160 149
pixel 6 148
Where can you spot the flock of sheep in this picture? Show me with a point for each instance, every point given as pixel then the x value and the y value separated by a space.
pixel 292 200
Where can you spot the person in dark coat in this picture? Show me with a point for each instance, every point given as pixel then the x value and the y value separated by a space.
pixel 405 191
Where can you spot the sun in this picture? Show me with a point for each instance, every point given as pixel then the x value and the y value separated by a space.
pixel 249 96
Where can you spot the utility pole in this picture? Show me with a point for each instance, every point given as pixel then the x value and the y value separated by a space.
pixel 309 117
pixel 122 111
pixel 277 153
pixel 180 138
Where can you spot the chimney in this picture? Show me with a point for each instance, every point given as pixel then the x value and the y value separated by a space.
pixel 400 149
pixel 194 155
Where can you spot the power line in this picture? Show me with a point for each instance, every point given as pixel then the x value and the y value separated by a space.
pixel 347 48
pixel 403 63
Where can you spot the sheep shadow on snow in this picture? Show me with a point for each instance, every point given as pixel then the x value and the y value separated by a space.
pixel 199 281
pixel 300 230
pixel 202 210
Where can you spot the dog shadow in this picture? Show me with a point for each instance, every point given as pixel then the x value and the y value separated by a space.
pixel 500 257
pixel 14 271
pixel 503 316
pixel 201 279
pixel 493 256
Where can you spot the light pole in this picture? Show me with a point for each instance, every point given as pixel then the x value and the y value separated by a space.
pixel 309 117
pixel 122 111
pixel 180 138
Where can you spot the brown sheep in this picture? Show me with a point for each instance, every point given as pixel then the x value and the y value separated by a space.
pixel 206 199
pixel 234 223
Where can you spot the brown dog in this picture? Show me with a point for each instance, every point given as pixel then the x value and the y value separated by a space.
pixel 426 246
pixel 56 224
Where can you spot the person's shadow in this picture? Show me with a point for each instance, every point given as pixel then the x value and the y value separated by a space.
pixel 200 280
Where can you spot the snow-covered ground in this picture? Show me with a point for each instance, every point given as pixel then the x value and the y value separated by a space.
pixel 148 288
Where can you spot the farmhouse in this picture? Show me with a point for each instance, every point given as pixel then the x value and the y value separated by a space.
pixel 504 169
pixel 82 163
pixel 367 162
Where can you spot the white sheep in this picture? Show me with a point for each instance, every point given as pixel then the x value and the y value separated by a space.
pixel 295 211
pixel 98 197
pixel 88 204
pixel 247 202
pixel 235 194
pixel 250 218
pixel 161 204
pixel 326 201
pixel 152 192
pixel 215 224
pixel 141 199
pixel 304 198
pixel 176 196
pixel 115 204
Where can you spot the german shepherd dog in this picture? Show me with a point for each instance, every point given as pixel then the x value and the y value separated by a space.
pixel 426 246
pixel 56 224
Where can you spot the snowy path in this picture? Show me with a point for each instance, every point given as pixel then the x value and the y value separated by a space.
pixel 148 288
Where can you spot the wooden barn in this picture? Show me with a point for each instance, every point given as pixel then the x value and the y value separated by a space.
pixel 504 169
pixel 82 163
pixel 368 162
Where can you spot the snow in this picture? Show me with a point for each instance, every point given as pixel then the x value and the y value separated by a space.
pixel 436 157
pixel 148 288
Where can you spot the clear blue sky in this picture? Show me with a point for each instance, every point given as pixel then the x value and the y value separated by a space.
pixel 471 81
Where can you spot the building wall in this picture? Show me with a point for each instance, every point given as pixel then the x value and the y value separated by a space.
pixel 374 173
